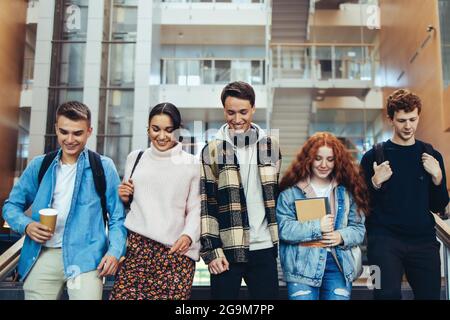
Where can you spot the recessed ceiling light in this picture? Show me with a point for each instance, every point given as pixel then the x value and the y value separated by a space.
pixel 321 91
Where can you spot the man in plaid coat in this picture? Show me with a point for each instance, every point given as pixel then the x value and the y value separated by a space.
pixel 239 189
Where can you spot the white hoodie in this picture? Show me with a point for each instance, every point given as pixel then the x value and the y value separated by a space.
pixel 247 157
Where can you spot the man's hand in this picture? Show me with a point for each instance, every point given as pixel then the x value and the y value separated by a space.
pixel 431 165
pixel 382 173
pixel 38 232
pixel 332 239
pixel 108 266
pixel 126 189
pixel 181 246
pixel 219 265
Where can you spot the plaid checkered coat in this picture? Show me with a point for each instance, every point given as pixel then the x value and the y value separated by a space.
pixel 225 230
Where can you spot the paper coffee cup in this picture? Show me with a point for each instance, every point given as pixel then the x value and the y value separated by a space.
pixel 48 218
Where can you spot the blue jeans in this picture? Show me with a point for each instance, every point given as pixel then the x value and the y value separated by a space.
pixel 334 286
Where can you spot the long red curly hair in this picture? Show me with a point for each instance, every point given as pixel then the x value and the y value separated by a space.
pixel 345 171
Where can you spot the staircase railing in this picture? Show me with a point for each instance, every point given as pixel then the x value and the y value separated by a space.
pixel 322 61
pixel 9 259
pixel 443 234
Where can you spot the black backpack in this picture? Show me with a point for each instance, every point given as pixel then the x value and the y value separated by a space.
pixel 97 172
pixel 379 154
pixel 379 151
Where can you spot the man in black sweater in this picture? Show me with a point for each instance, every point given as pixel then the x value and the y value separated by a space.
pixel 404 188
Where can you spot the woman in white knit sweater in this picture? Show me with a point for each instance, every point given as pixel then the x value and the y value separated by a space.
pixel 164 217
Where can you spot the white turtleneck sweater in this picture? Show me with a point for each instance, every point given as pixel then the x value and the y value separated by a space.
pixel 166 200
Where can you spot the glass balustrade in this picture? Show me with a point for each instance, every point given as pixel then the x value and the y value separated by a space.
pixel 320 62
pixel 193 72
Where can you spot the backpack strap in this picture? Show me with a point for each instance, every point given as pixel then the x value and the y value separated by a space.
pixel 48 159
pixel 141 152
pixel 428 148
pixel 99 181
pixel 379 152
pixel 130 199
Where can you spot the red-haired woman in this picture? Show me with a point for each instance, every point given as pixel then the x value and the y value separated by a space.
pixel 316 255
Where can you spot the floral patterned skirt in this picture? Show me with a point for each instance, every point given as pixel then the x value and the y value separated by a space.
pixel 150 273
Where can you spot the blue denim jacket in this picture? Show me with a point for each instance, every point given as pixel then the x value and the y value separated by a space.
pixel 307 264
pixel 85 241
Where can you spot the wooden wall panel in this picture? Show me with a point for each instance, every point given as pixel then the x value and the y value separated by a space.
pixel 12 40
pixel 403 31
pixel 446 102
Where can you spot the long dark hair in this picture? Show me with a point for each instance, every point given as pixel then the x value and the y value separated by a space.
pixel 168 109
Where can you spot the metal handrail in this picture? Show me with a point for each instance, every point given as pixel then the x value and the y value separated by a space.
pixel 321 44
pixel 210 1
pixel 10 258
pixel 443 234
pixel 442 231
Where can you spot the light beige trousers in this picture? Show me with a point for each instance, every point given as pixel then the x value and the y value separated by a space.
pixel 46 280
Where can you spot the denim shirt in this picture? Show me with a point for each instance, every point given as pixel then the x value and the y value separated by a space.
pixel 307 264
pixel 85 241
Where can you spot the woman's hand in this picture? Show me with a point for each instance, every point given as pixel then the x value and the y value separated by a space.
pixel 332 239
pixel 181 246
pixel 327 223
pixel 126 189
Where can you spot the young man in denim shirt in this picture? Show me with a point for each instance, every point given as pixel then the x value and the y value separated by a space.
pixel 79 252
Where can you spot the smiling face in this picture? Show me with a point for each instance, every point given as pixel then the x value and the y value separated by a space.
pixel 238 114
pixel 72 137
pixel 323 164
pixel 161 132
pixel 405 126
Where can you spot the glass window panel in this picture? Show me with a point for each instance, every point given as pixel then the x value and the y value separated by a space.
pixel 257 72
pixel 207 72
pixel 193 78
pixel 241 71
pixel 119 127
pixel 70 95
pixel 75 19
pixel 122 64
pixel 222 71
pixel 71 63
pixel 120 112
pixel 181 72
pixel 170 71
pixel 23 140
pixel 351 63
pixel 118 148
pixel 124 24
pixel 323 63
pixel 196 72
